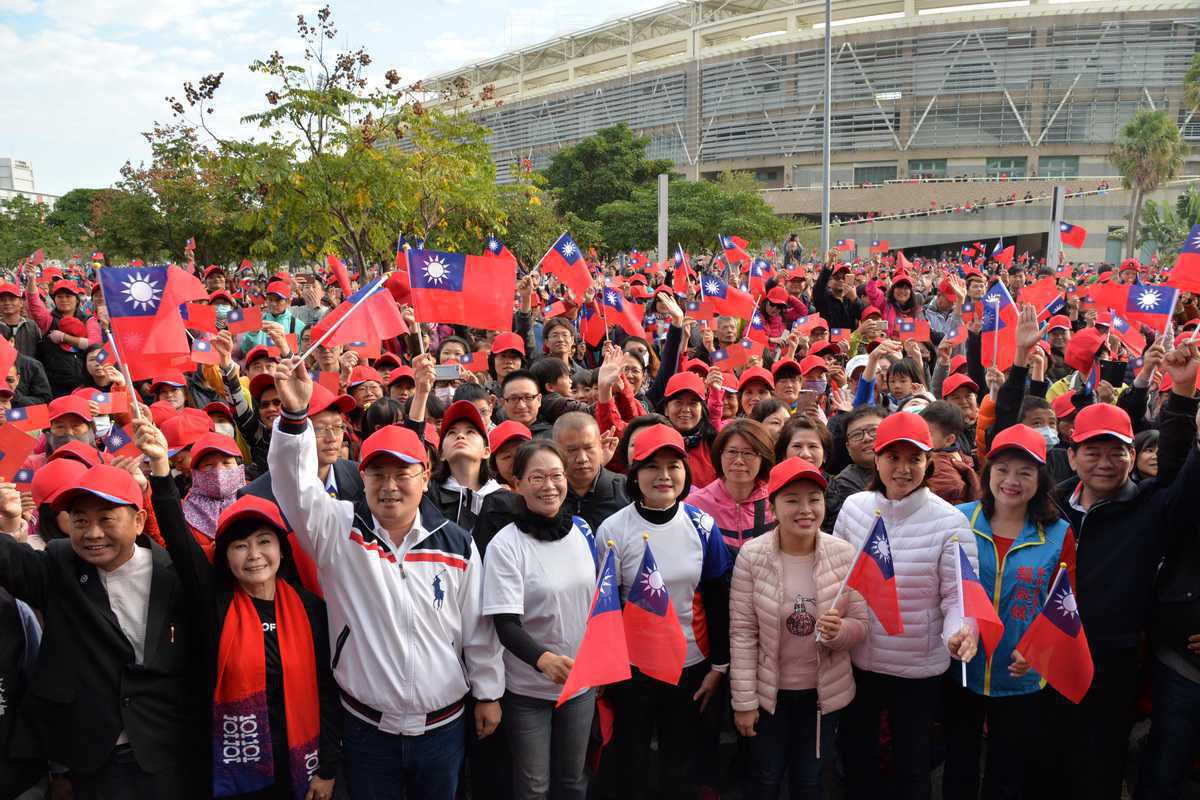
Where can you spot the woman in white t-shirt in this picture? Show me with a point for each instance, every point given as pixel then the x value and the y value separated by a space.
pixel 539 576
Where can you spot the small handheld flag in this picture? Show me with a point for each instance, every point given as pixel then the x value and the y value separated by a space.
pixel 974 602
pixel 603 656
pixel 874 577
pixel 118 442
pixel 1055 644
pixel 1072 235
pixel 15 447
pixel 244 320
pixel 655 640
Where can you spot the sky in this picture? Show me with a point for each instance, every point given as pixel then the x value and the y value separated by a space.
pixel 81 79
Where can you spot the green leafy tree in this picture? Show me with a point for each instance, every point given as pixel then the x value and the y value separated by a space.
pixel 23 230
pixel 345 167
pixel 698 212
pixel 1149 152
pixel 603 168
pixel 1167 224
pixel 73 217
pixel 1191 83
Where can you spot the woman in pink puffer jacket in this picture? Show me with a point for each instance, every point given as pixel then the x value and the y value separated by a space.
pixel 786 686
pixel 737 499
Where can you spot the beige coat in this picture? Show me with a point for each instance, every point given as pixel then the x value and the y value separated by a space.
pixel 757 610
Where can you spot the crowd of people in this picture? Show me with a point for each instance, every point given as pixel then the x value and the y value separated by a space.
pixel 368 574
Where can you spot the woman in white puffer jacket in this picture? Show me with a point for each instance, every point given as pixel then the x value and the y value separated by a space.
pixel 902 672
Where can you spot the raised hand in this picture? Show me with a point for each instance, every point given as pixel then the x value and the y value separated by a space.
pixel 1028 331
pixel 153 444
pixel 294 384
pixel 1181 364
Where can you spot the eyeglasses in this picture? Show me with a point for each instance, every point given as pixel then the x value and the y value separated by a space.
pixel 633 370
pixel 560 336
pixel 740 455
pixel 522 399
pixel 539 479
pixel 329 431
pixel 862 434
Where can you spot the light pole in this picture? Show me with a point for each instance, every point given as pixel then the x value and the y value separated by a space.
pixel 826 139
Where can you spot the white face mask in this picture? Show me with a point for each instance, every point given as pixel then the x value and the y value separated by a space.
pixel 225 429
pixel 1050 435
pixel 103 423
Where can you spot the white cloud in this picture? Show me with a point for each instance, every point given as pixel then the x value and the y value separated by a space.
pixel 18 7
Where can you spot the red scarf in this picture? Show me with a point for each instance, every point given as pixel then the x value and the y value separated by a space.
pixel 243 759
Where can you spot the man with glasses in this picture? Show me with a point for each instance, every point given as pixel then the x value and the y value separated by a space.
pixel 861 425
pixel 523 400
pixel 403 592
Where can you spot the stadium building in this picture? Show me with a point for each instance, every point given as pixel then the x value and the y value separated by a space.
pixel 935 103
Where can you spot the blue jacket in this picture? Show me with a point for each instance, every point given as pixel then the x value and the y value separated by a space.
pixel 1018 588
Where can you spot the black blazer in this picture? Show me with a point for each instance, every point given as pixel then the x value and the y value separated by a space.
pixel 345 473
pixel 88 688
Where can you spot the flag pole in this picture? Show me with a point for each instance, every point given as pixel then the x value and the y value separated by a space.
pixel 853 564
pixel 996 339
pixel 312 347
pixel 550 250
pixel 962 606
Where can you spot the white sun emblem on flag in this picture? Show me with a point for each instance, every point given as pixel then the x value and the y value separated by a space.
pixel 436 271
pixel 605 584
pixel 1148 299
pixel 1196 239
pixel 993 299
pixel 141 292
pixel 568 249
pixel 612 298
pixel 653 582
pixel 1066 603
pixel 711 287
pixel 882 550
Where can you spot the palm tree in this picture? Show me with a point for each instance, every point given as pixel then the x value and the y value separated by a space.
pixel 1149 152
pixel 1191 84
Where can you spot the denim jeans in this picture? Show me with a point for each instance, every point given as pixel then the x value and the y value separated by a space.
pixel 381 766
pixel 1174 735
pixel 786 742
pixel 549 745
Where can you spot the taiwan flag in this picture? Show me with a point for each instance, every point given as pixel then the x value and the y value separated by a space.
pixel 956 335
pixel 1148 304
pixel 199 317
pixel 118 442
pixel 564 261
pixel 24 479
pixel 682 275
pixel 143 311
pixel 110 402
pixel 874 578
pixel 1005 256
pixel 1044 295
pixel 602 657
pixel 655 640
pixel 28 418
pixel 203 352
pixel 638 260
pixel 626 315
pixel 725 299
pixel 760 271
pixel 1186 272
pixel 1055 644
pixel 879 246
pixel 1071 235
pixel 464 290
pixel 494 248
pixel 974 602
pixel 15 447
pixel 375 319
pixel 1131 337
pixel 244 320
pixel 845 245
pixel 756 331
pixel 734 248
pixel 998 337
pixel 591 325
pixel 916 330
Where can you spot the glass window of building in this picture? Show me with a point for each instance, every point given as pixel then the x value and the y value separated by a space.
pixel 927 168
pixel 875 173
pixel 1059 166
pixel 1007 167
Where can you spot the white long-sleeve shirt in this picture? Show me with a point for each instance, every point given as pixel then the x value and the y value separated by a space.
pixel 407 633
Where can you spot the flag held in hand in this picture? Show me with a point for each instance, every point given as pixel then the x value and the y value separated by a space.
pixel 1055 644
pixel 652 633
pixel 977 604
pixel 602 656
pixel 874 578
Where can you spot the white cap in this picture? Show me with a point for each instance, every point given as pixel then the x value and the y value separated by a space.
pixel 858 362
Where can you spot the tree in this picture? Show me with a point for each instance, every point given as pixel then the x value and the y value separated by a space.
pixel 1167 224
pixel 345 167
pixel 73 217
pixel 605 167
pixel 1149 151
pixel 23 230
pixel 698 212
pixel 1191 84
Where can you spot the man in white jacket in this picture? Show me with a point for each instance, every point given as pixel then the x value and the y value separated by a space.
pixel 404 598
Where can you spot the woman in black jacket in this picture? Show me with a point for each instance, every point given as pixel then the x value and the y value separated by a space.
pixel 275 711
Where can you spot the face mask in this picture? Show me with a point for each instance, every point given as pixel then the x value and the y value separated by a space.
pixel 815 386
pixel 103 423
pixel 225 429
pixel 444 394
pixel 218 483
pixel 1050 435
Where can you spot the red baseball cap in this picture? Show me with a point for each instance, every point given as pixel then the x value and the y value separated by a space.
pixel 1102 419
pixel 161 411
pixel 388 359
pixel 1058 321
pixel 10 288
pixel 402 371
pixel 258 352
pixel 65 286
pixel 696 366
pixel 869 311
pixel 791 470
pixel 755 374
pixel 1020 437
pixel 210 442
pixel 957 363
pixel 653 438
pixel 903 426
pixel 55 478
pixel 786 363
pixel 69 404
pixel 184 428
pixel 281 288
pixel 175 379
pixel 1104 318
pixel 260 383
pixel 1082 349
pixel 361 374
pixel 778 295
pixel 324 400
pixel 395 441
pixel 213 269
pixel 505 342
pixel 221 296
pixel 842 266
pixel 111 484
pixel 78 452
pixel 684 382
pixel 217 407
pixel 462 410
pixel 251 507
pixel 820 347
pixel 1063 405
pixel 507 431
pixel 955 382
pixel 812 364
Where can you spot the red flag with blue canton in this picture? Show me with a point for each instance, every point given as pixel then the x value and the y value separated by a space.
pixel 143 314
pixel 566 263
pixel 1147 304
pixel 1044 295
pixel 998 337
pixel 1129 336
pixel 15 447
pixel 1055 644
pixel 494 248
pixel 760 271
pixel 28 418
pixel 879 246
pixel 118 442
pixel 1072 235
pixel 376 319
pixel 656 643
pixel 845 245
pixel 956 335
pixel 916 330
pixel 725 299
pixel 203 352
pixel 463 290
pixel 1185 274
pixel 734 248
pixel 756 331
pixel 683 273
pixel 874 578
pixel 24 479
pixel 110 402
pixel 199 317
pixel 602 657
pixel 591 324
pixel 977 604
pixel 244 320
pixel 637 260
pixel 617 311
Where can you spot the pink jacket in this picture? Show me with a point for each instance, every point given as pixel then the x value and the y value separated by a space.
pixel 757 609
pixel 739 521
pixel 44 318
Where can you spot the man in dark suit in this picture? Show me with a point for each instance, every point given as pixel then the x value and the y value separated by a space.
pixel 119 695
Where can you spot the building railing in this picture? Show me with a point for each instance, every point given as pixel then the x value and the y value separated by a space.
pixel 1111 180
